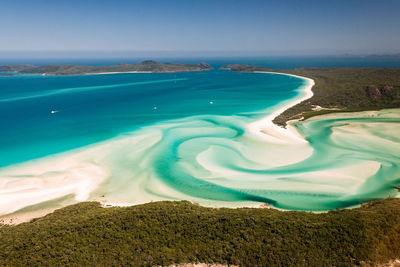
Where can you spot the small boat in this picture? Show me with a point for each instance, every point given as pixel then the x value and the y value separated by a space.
pixel 211 102
pixel 155 107
pixel 53 111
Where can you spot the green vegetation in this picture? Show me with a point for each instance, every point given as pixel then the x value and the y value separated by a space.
pixel 163 233
pixel 145 66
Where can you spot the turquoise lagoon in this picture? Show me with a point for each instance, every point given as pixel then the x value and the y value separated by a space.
pixel 135 138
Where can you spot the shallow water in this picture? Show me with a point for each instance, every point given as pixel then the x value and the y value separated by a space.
pixel 196 145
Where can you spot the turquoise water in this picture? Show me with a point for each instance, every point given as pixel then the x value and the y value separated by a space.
pixel 136 138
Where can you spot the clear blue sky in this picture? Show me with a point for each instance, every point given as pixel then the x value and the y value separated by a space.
pixel 269 27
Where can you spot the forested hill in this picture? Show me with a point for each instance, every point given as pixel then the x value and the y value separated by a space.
pixel 163 233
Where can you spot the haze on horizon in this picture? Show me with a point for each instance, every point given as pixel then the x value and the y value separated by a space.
pixel 178 27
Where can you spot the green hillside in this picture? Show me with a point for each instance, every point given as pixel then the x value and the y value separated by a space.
pixel 163 233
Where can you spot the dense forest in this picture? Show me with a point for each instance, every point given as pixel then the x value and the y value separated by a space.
pixel 162 233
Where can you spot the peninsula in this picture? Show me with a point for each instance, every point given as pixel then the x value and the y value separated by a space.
pixel 145 66
pixel 339 90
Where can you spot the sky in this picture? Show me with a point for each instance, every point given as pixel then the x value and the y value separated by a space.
pixel 281 27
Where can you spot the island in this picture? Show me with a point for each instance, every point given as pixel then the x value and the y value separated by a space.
pixel 339 90
pixel 145 66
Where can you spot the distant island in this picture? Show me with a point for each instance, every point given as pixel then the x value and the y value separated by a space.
pixel 145 66
pixel 339 90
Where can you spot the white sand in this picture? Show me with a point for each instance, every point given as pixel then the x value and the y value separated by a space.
pixel 53 177
pixel 48 180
